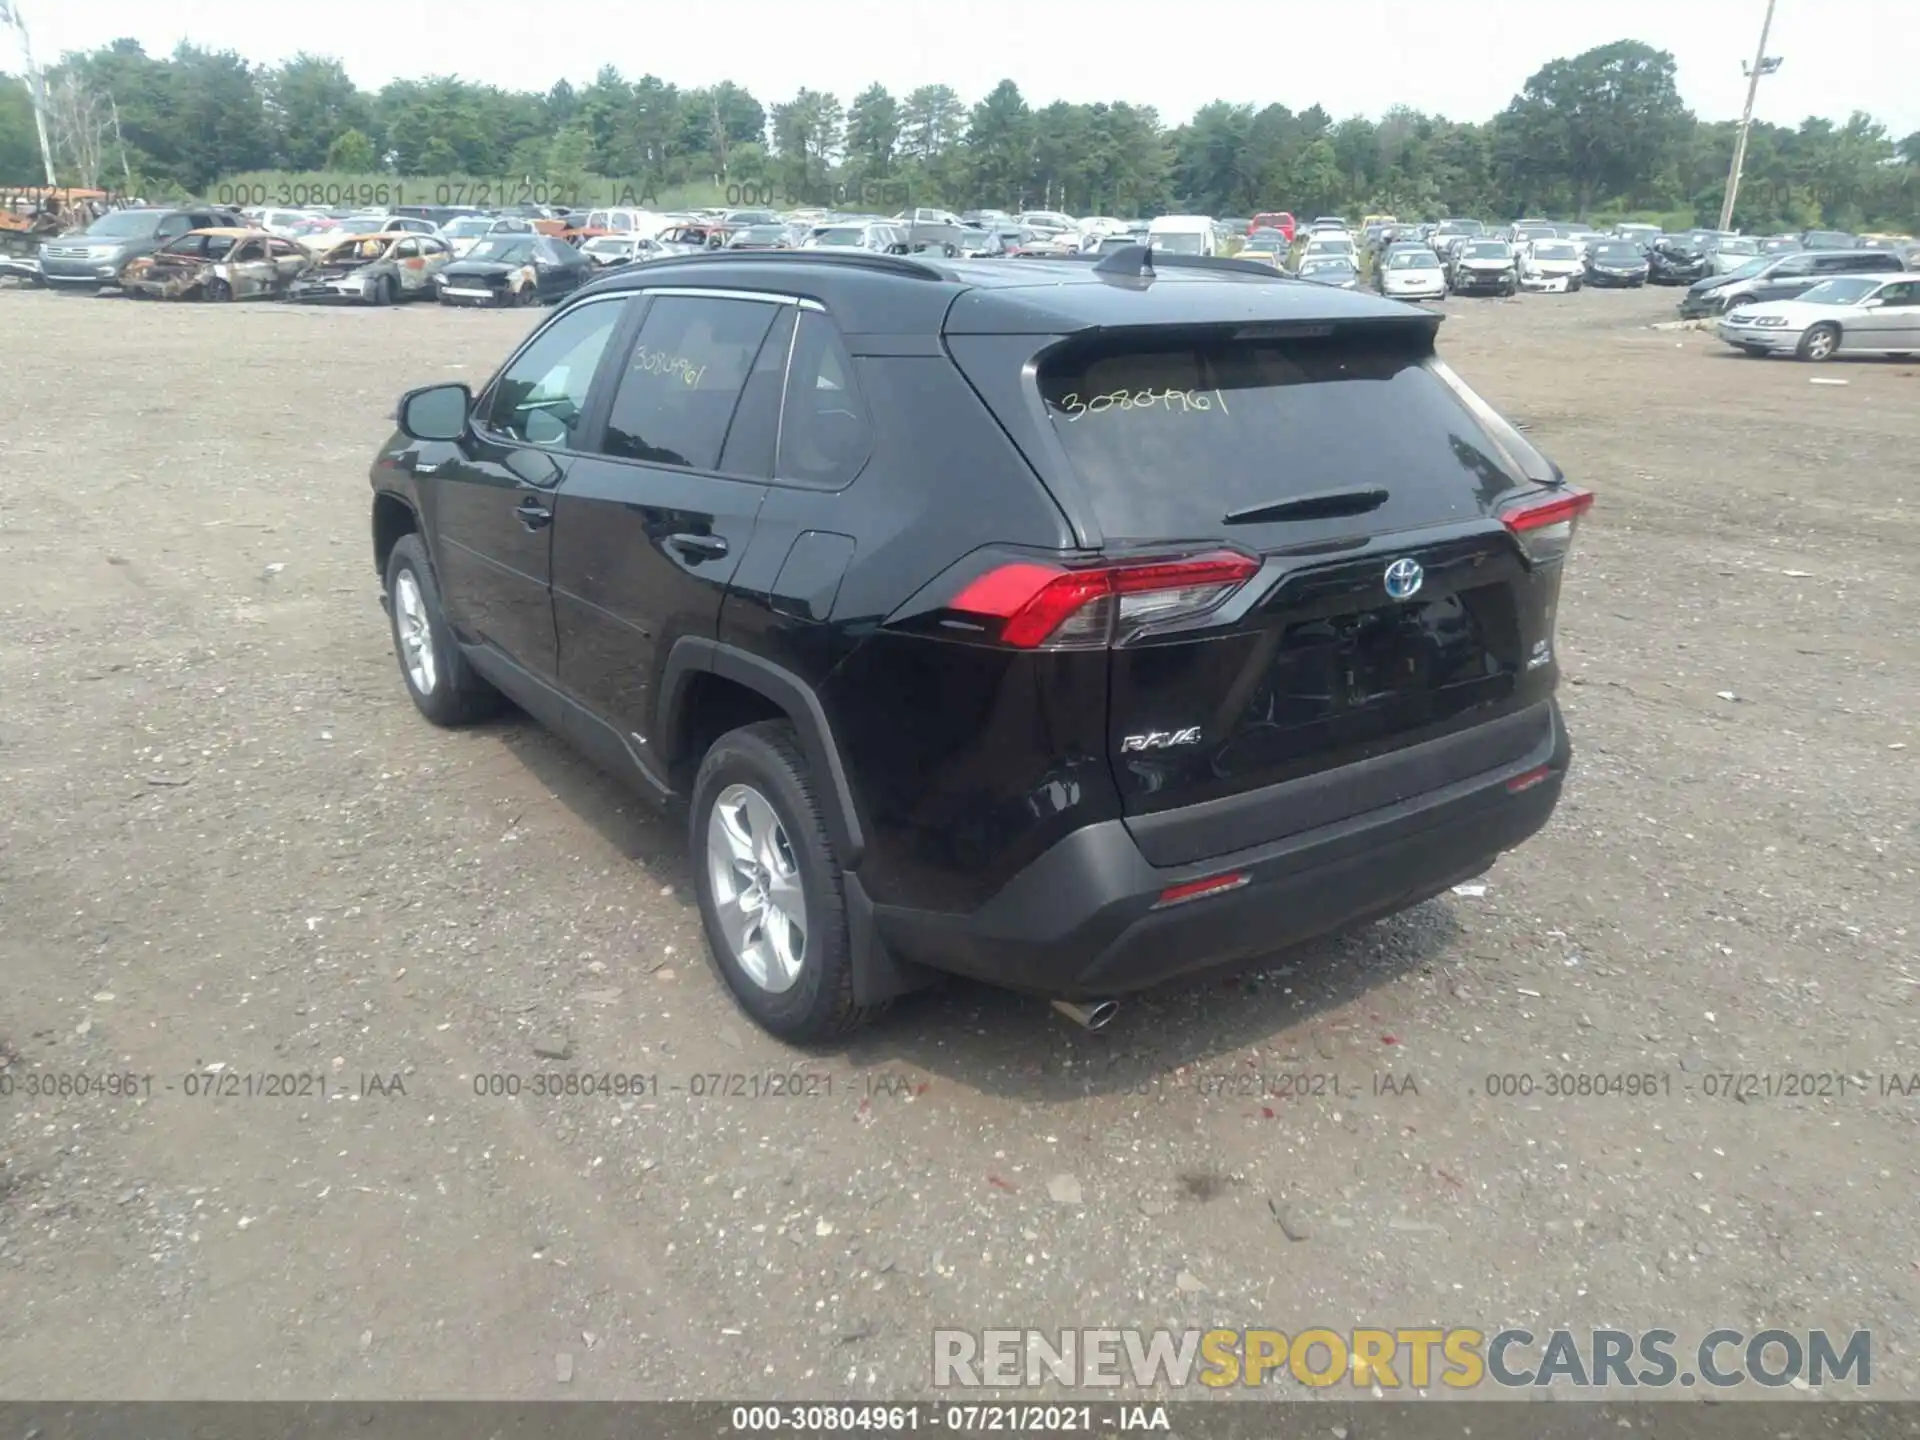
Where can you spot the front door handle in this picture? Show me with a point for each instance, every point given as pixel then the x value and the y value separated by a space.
pixel 699 547
pixel 533 514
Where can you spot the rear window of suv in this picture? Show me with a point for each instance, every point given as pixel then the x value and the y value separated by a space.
pixel 1168 438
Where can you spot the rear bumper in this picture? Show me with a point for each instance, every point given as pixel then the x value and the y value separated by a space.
pixel 1082 921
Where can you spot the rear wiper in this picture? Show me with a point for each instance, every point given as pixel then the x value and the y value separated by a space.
pixel 1321 505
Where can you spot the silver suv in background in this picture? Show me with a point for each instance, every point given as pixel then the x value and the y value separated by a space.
pixel 94 257
pixel 882 237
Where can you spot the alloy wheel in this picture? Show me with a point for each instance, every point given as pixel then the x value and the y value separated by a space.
pixel 416 634
pixel 757 892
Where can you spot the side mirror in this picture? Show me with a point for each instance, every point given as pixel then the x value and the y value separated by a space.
pixel 1872 302
pixel 435 412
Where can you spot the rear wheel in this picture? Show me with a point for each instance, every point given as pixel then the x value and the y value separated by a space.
pixel 1820 342
pixel 771 890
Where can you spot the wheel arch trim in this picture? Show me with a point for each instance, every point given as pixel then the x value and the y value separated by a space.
pixel 693 655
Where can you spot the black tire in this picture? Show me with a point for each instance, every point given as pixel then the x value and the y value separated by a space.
pixel 217 291
pixel 1573 285
pixel 1756 351
pixel 1821 342
pixel 456 695
pixel 818 1006
pixel 381 292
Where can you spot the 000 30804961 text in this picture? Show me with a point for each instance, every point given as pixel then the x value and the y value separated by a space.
pixel 480 194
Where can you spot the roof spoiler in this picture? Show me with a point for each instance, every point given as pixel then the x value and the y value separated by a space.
pixel 1139 262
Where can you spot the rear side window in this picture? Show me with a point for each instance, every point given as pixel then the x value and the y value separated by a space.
pixel 756 420
pixel 1170 440
pixel 824 431
pixel 682 381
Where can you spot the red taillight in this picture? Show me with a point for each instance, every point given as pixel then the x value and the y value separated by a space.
pixel 1196 889
pixel 1545 526
pixel 1051 607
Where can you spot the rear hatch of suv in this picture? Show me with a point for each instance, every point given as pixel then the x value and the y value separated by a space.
pixel 1317 547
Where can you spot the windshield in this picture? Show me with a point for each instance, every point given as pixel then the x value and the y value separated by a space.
pixel 842 235
pixel 1485 250
pixel 1752 267
pixel 1561 251
pixel 124 224
pixel 1179 244
pixel 1264 242
pixel 1739 247
pixel 504 249
pixel 1412 260
pixel 1840 292
pixel 1617 253
pixel 467 225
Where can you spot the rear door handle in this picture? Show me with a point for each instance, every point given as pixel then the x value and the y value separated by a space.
pixel 533 514
pixel 699 547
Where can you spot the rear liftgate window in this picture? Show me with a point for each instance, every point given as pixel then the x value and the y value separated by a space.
pixel 1169 437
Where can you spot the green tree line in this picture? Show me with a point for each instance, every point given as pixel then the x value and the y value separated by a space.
pixel 1595 135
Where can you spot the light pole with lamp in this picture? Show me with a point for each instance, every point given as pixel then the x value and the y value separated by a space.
pixel 1763 64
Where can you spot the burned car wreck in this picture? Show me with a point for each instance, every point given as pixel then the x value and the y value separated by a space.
pixel 374 269
pixel 222 264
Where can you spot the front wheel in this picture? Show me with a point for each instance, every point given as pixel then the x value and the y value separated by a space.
pixel 1820 342
pixel 771 890
pixel 217 291
pixel 444 687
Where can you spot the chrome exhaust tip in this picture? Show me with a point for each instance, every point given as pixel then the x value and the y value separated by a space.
pixel 1096 1015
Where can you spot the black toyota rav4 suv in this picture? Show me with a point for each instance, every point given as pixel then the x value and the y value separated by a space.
pixel 1072 626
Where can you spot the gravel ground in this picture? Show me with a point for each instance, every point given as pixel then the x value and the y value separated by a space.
pixel 228 841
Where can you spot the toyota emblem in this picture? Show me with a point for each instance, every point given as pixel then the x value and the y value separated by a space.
pixel 1404 578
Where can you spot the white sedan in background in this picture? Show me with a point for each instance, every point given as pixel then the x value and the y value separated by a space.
pixel 1551 265
pixel 1847 315
pixel 1412 272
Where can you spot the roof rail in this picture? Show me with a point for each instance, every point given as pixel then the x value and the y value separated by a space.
pixel 848 258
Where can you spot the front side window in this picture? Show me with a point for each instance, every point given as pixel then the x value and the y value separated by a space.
pixel 540 397
pixel 682 381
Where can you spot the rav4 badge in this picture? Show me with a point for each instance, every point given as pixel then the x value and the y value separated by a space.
pixel 1160 740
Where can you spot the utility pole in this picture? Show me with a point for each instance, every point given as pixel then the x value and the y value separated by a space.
pixel 121 141
pixel 1763 64
pixel 36 84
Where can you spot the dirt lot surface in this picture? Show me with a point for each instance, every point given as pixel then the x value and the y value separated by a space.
pixel 228 840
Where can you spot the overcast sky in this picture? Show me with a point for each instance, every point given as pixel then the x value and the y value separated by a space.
pixel 1461 58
